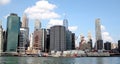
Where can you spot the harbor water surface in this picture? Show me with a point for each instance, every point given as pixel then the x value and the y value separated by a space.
pixel 52 60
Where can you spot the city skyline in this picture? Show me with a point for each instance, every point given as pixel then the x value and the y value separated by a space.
pixel 81 15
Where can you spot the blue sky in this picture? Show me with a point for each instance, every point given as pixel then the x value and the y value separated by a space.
pixel 81 14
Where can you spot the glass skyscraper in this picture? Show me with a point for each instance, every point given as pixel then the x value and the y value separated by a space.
pixel 99 41
pixel 13 29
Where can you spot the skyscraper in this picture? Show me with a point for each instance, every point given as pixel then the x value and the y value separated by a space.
pixel 107 46
pixel 99 41
pixel 23 40
pixel 1 38
pixel 98 29
pixel 47 45
pixel 25 26
pixel 37 40
pixel 24 21
pixel 44 39
pixel 31 40
pixel 13 30
pixel 73 41
pixel 65 23
pixel 68 40
pixel 37 25
pixel 57 38
pixel 24 35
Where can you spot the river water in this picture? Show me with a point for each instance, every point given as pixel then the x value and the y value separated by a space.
pixel 51 60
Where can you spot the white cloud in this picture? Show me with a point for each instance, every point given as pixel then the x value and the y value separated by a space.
pixel 4 2
pixel 103 28
pixel 5 17
pixel 53 22
pixel 42 10
pixel 105 35
pixel 72 28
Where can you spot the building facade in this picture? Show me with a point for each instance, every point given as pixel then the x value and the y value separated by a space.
pixel 68 40
pixel 13 30
pixel 57 38
pixel 31 40
pixel 23 40
pixel 107 46
pixel 119 45
pixel 73 41
pixel 37 40
pixel 1 39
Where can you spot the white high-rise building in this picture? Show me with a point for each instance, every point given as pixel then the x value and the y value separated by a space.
pixel 99 41
pixel 24 21
pixel 31 40
pixel 1 38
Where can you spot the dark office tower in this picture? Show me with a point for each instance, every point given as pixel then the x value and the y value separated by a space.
pixel 13 29
pixel 68 40
pixel 119 45
pixel 37 25
pixel 57 38
pixel 107 46
pixel 73 41
pixel 65 23
pixel 5 41
pixel 47 44
pixel 44 39
pixel 99 41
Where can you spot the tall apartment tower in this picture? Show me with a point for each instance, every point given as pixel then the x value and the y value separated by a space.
pixel 57 38
pixel 13 30
pixel 99 41
pixel 1 38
